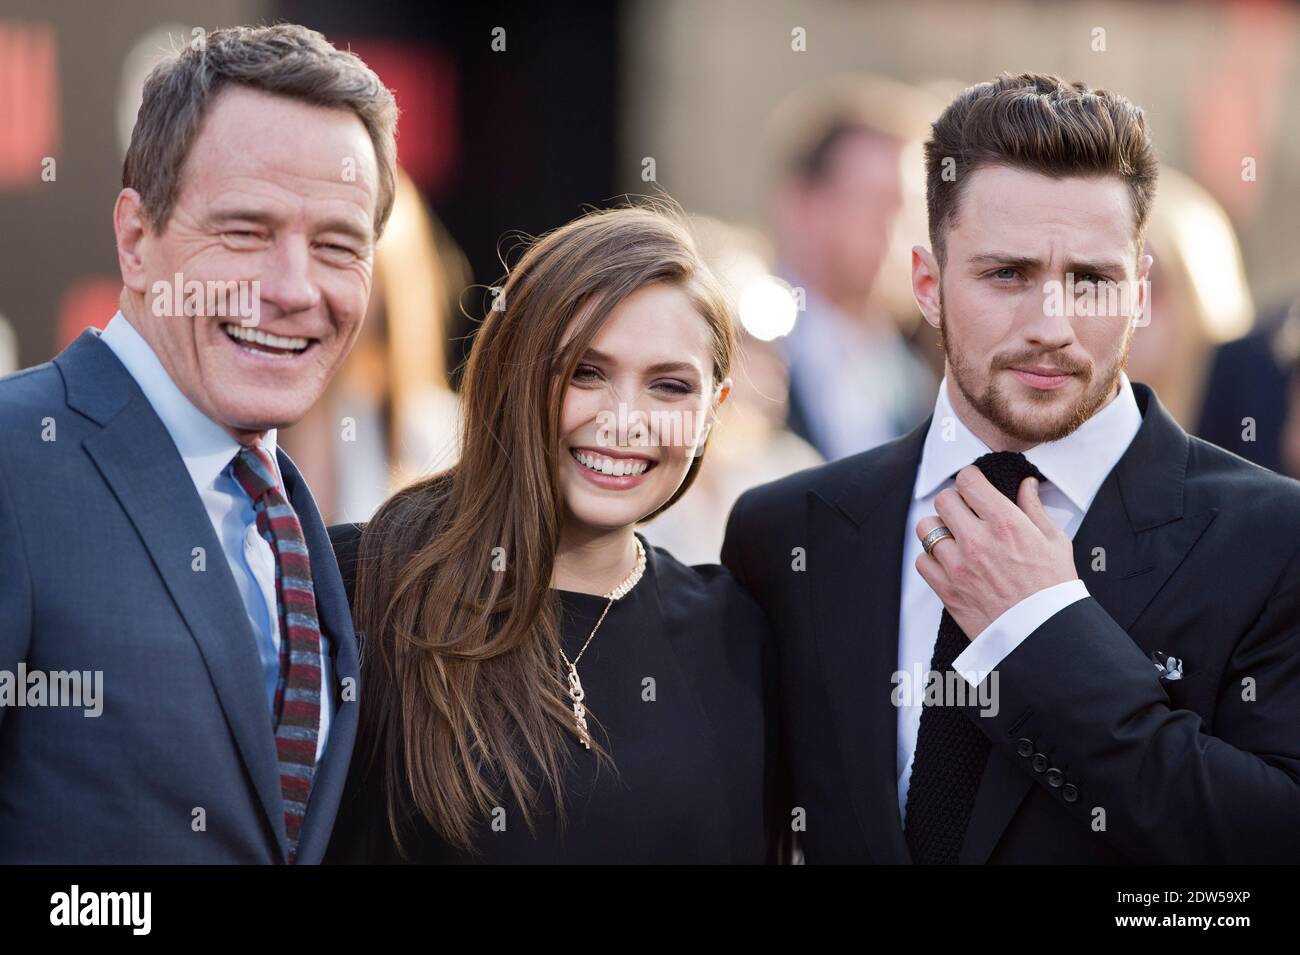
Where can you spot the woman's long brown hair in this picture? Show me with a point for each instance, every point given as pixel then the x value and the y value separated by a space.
pixel 461 676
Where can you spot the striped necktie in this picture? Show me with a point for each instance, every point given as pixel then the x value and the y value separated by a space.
pixel 296 716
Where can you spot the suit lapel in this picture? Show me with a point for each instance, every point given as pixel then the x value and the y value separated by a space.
pixel 140 464
pixel 856 568
pixel 336 624
pixel 1133 538
pixel 1137 532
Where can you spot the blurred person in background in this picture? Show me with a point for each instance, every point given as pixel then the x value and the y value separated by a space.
pixel 8 347
pixel 389 415
pixel 1288 345
pixel 1199 295
pixel 1246 399
pixel 836 149
pixel 753 444
pixel 893 288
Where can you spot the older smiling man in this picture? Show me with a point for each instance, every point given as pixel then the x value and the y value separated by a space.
pixel 149 528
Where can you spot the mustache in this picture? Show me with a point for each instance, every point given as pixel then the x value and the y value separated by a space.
pixel 1061 363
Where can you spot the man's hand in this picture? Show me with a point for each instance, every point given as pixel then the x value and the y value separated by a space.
pixel 999 554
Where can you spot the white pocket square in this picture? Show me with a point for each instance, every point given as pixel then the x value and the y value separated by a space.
pixel 1169 668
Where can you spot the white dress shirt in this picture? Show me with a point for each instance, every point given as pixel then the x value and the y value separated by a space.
pixel 1075 468
pixel 208 450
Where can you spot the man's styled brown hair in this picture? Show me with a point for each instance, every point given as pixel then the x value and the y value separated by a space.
pixel 1042 124
pixel 285 60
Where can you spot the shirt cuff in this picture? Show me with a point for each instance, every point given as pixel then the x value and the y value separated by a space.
pixel 1007 632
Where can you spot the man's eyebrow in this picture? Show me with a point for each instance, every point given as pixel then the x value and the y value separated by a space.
pixel 1101 267
pixel 1006 260
pixel 238 214
pixel 262 217
pixel 1028 263
pixel 658 368
pixel 347 227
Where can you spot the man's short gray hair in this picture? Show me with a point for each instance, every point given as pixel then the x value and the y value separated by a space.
pixel 285 60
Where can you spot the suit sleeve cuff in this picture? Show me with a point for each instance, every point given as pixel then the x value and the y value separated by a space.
pixel 1007 632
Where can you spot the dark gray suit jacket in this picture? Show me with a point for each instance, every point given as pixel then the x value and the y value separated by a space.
pixel 98 530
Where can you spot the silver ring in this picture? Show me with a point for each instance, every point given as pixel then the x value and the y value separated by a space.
pixel 932 538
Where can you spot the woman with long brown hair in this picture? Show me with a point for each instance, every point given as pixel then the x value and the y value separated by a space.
pixel 539 684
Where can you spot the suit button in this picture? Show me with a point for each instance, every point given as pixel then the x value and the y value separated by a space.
pixel 1055 778
pixel 1025 748
pixel 1070 792
pixel 1039 763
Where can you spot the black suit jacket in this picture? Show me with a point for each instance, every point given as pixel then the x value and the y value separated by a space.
pixel 1201 562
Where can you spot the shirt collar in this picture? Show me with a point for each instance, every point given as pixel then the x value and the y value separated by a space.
pixel 1076 464
pixel 204 446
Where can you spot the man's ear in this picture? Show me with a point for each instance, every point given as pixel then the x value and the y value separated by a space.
pixel 926 284
pixel 131 227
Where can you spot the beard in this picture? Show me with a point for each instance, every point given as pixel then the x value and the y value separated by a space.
pixel 996 406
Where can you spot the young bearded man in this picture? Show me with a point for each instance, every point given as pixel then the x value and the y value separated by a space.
pixel 1048 625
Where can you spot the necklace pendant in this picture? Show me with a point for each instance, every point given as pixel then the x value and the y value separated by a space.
pixel 577 694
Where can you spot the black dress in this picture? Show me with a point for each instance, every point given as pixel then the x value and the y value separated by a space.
pixel 680 679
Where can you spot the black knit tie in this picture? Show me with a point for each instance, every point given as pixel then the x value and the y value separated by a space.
pixel 950 749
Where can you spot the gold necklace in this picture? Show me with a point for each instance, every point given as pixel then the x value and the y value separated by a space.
pixel 576 692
